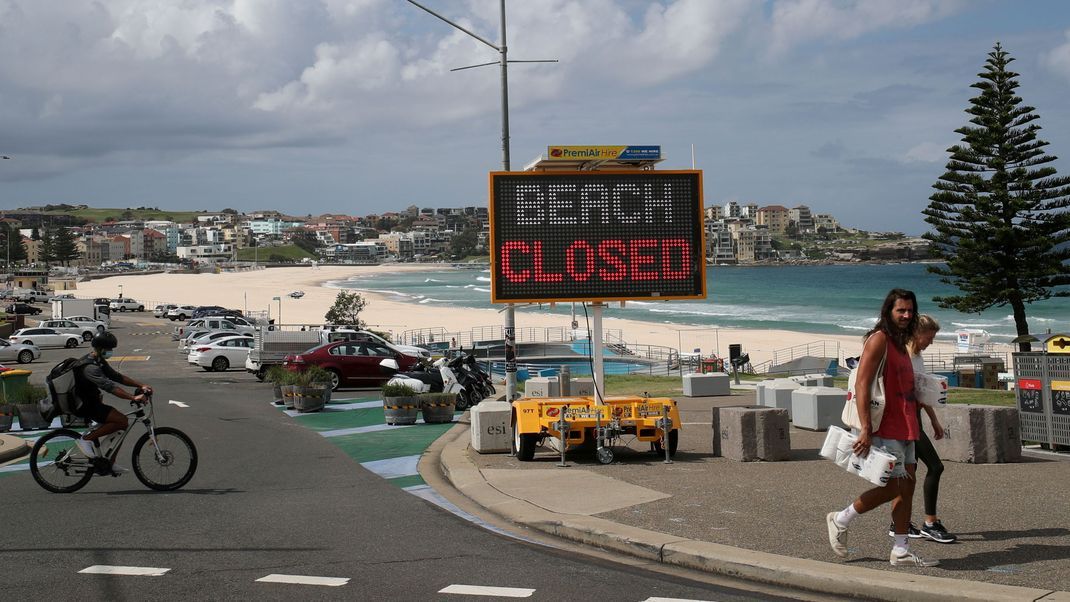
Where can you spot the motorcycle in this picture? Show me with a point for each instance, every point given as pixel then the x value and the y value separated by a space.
pixel 483 381
pixel 445 376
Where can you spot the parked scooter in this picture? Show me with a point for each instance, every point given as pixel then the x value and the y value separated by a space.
pixel 445 376
pixel 485 385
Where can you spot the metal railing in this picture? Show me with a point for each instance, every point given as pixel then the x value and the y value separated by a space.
pixel 481 334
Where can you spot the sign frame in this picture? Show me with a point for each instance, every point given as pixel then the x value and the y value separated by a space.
pixel 495 259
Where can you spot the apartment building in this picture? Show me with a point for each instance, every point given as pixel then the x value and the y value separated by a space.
pixel 773 217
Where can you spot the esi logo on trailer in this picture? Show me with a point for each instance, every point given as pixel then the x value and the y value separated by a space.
pixel 596 236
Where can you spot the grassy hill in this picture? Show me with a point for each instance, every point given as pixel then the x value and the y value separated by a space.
pixel 99 215
pixel 290 252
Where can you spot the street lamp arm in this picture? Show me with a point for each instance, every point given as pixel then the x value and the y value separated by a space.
pixel 479 65
pixel 433 13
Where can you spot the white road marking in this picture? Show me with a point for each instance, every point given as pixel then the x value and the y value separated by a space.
pixel 305 580
pixel 393 468
pixel 356 430
pixel 486 590
pixel 142 571
pixel 177 403
pixel 135 351
pixel 672 600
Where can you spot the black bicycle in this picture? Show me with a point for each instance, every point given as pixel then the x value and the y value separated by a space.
pixel 164 458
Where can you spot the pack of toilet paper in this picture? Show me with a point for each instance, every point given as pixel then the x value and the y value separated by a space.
pixel 876 467
pixel 930 389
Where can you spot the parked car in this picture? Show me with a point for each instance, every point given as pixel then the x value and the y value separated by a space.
pixel 214 310
pixel 87 322
pixel 221 354
pixel 126 304
pixel 215 323
pixel 204 338
pixel 22 353
pixel 351 363
pixel 45 337
pixel 102 301
pixel 61 296
pixel 182 312
pixel 70 327
pixel 160 311
pixel 22 308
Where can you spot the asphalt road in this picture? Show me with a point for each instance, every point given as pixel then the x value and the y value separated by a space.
pixel 273 498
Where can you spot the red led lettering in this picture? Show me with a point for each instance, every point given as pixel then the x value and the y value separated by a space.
pixel 667 248
pixel 541 276
pixel 640 259
pixel 612 252
pixel 507 268
pixel 588 260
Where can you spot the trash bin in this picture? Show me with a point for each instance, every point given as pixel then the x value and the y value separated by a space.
pixel 14 381
pixel 1042 390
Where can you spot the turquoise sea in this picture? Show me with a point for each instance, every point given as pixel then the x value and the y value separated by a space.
pixel 832 299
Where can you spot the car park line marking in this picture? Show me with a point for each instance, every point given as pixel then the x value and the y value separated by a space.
pixel 424 492
pixel 672 600
pixel 142 571
pixel 177 403
pixel 486 590
pixel 136 350
pixel 392 468
pixel 129 358
pixel 305 580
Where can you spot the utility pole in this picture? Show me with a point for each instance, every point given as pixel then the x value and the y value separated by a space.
pixel 503 61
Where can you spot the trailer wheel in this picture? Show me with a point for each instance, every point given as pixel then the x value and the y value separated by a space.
pixel 524 443
pixel 605 455
pixel 674 441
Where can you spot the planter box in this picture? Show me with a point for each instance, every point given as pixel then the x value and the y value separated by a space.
pixel 30 417
pixel 438 408
pixel 309 399
pixel 401 410
pixel 288 393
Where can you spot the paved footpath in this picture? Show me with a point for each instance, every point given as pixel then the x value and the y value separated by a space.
pixel 765 521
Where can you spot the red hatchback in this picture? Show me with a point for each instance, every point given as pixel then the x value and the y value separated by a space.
pixel 351 363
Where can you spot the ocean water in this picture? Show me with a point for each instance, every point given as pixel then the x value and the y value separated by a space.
pixel 824 299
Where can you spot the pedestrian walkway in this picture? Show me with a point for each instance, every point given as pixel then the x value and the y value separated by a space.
pixel 765 521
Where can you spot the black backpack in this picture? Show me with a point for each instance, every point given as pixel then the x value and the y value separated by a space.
pixel 62 392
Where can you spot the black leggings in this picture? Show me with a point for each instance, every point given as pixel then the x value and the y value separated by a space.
pixel 926 453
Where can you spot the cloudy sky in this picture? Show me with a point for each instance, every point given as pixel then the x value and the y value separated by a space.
pixel 311 106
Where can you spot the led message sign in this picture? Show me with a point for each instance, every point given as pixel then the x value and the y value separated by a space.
pixel 601 235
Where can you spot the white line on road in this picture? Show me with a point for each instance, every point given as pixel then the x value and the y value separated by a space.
pixel 141 571
pixel 486 590
pixel 356 430
pixel 393 468
pixel 177 403
pixel 305 580
pixel 672 600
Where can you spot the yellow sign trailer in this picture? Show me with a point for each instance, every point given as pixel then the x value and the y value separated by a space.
pixel 576 420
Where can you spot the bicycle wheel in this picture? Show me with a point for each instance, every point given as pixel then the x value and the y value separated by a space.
pixel 57 464
pixel 167 465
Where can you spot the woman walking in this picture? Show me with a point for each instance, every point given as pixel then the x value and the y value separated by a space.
pixel 932 529
pixel 897 430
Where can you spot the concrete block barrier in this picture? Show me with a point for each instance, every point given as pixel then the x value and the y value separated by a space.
pixel 817 408
pixel 707 385
pixel 491 429
pixel 813 380
pixel 977 434
pixel 750 433
pixel 543 386
pixel 778 394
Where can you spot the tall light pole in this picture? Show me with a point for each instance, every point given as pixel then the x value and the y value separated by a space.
pixel 279 317
pixel 503 61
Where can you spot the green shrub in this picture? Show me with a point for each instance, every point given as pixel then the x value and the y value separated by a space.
pixel 398 390
pixel 29 394
pixel 316 375
pixel 280 376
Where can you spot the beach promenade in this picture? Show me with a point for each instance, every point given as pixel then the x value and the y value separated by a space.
pixel 257 291
pixel 765 521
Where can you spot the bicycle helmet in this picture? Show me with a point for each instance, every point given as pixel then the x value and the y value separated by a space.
pixel 105 340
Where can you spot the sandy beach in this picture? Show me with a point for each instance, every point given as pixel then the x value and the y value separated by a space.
pixel 255 290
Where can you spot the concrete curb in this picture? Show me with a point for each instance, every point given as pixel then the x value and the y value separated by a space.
pixel 714 558
pixel 12 448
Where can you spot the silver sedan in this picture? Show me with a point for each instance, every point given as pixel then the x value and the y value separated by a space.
pixel 22 353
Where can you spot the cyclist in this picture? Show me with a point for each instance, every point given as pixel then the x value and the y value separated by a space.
pixel 92 374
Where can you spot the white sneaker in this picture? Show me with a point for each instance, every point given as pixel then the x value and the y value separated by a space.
pixel 909 559
pixel 117 470
pixel 87 447
pixel 837 536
